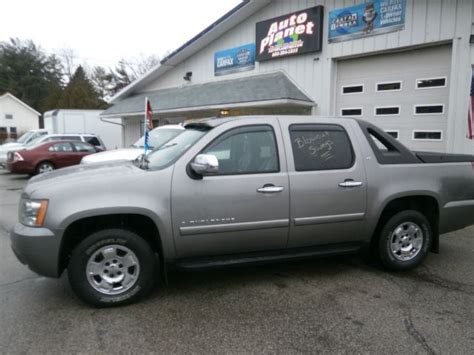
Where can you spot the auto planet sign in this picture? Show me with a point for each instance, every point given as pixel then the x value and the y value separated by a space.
pixel 234 60
pixel 370 18
pixel 296 33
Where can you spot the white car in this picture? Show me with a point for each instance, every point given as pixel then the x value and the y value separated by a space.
pixel 158 137
pixel 25 139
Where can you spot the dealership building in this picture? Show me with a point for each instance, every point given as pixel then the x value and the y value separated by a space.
pixel 404 65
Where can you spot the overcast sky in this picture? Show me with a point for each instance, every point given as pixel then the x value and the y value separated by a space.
pixel 102 31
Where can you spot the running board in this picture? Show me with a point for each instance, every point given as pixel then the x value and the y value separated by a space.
pixel 200 263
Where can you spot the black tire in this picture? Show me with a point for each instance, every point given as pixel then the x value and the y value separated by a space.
pixel 404 219
pixel 44 165
pixel 148 266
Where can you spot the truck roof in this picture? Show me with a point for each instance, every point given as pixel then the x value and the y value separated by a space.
pixel 212 122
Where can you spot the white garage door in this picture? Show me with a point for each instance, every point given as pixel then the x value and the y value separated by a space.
pixel 404 93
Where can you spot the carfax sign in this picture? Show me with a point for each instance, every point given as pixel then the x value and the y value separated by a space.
pixel 296 33
pixel 371 18
pixel 234 60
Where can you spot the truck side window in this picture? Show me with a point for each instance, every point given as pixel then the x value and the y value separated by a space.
pixel 246 150
pixel 70 138
pixel 92 140
pixel 83 147
pixel 320 147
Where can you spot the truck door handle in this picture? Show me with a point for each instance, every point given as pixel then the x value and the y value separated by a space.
pixel 270 189
pixel 350 183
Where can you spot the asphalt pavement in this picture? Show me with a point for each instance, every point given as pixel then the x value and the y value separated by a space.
pixel 336 305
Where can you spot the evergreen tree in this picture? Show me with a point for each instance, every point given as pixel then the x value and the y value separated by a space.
pixel 80 93
pixel 29 74
pixel 103 81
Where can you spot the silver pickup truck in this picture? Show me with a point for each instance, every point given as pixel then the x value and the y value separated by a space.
pixel 243 190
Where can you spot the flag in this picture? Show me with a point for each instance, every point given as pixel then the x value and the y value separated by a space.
pixel 470 114
pixel 148 124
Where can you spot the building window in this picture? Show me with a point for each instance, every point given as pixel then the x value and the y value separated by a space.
pixel 353 89
pixel 3 133
pixel 431 83
pixel 435 109
pixel 387 111
pixel 394 134
pixel 353 111
pixel 9 116
pixel 428 135
pixel 13 132
pixel 389 86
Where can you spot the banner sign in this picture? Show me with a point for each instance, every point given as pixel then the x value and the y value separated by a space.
pixel 234 60
pixel 470 113
pixel 296 33
pixel 368 19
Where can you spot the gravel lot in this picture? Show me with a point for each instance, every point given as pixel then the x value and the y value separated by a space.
pixel 337 305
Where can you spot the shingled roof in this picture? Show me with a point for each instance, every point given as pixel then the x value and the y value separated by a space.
pixel 251 89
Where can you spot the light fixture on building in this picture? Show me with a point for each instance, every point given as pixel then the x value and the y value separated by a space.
pixel 223 112
pixel 188 76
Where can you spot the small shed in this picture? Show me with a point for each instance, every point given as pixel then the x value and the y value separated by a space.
pixel 16 117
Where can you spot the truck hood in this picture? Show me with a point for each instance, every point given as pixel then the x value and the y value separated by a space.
pixel 10 146
pixel 110 155
pixel 78 176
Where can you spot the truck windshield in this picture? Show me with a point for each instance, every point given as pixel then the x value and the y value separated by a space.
pixel 34 141
pixel 158 137
pixel 168 153
pixel 24 137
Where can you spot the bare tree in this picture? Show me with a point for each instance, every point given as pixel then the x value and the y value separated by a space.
pixel 138 66
pixel 69 60
pixel 111 81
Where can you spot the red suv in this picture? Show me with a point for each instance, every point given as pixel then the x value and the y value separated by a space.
pixel 49 156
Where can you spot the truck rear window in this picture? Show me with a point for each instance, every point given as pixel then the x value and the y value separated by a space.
pixel 321 147
pixel 387 150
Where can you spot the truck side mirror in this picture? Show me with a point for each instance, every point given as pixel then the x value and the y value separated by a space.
pixel 205 165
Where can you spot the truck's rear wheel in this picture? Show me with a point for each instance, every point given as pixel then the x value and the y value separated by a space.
pixel 405 240
pixel 112 267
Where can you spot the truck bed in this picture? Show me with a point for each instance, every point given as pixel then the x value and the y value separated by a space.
pixel 437 158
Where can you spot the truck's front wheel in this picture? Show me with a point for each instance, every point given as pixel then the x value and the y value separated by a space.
pixel 405 240
pixel 112 267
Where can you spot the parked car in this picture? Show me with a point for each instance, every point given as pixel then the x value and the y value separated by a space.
pixel 90 138
pixel 244 190
pixel 46 157
pixel 158 137
pixel 25 139
pixel 79 137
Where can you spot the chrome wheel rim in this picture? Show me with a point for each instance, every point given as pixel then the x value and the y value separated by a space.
pixel 44 168
pixel 406 241
pixel 113 269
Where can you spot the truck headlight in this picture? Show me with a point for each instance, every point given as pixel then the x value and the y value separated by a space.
pixel 33 212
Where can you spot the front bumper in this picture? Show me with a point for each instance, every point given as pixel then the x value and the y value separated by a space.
pixel 3 158
pixel 38 248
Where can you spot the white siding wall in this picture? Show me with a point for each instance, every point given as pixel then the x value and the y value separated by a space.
pixel 23 118
pixel 132 131
pixel 426 22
